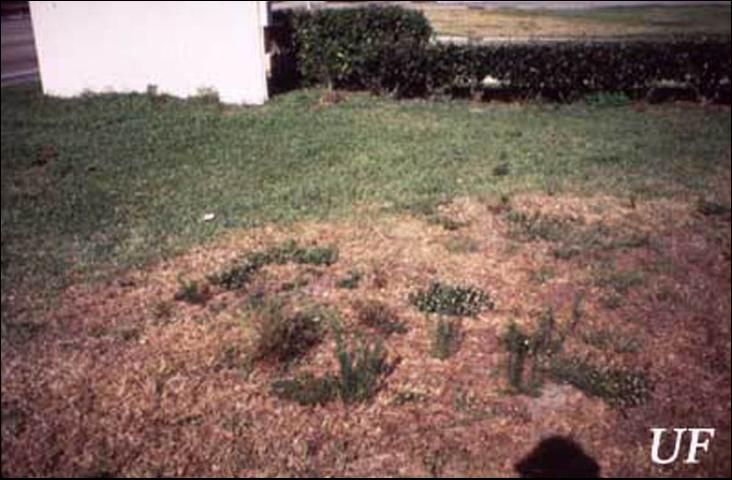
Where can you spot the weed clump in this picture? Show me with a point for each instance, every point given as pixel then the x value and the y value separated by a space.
pixel 462 245
pixel 572 237
pixel 298 283
pixel 282 336
pixel 618 387
pixel 307 389
pixel 162 311
pixel 235 277
pixel 609 340
pixel 357 380
pixel 359 370
pixel 378 316
pixel 538 347
pixel 620 282
pixel 501 170
pixel 316 256
pixel 711 209
pixel 446 299
pixel 350 281
pixel 538 226
pixel 446 222
pixel 240 274
pixel 446 338
pixel 191 292
pixel 518 345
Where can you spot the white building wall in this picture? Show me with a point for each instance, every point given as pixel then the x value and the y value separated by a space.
pixel 181 48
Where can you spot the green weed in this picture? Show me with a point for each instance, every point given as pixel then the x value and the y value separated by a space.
pixel 447 299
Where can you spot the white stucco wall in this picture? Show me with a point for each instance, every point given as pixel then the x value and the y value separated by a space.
pixel 182 48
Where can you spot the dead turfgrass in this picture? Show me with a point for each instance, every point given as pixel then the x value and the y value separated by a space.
pixel 173 399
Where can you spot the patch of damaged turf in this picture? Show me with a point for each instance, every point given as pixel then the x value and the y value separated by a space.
pixel 572 236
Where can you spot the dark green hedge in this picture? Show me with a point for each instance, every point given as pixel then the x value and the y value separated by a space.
pixel 566 71
pixel 343 47
pixel 387 50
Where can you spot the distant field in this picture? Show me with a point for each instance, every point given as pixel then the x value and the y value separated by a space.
pixel 605 22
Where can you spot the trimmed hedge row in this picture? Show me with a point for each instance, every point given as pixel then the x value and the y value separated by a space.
pixel 560 71
pixel 342 47
pixel 387 50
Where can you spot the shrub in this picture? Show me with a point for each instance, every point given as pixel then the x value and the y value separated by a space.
pixel 451 300
pixel 282 336
pixel 387 50
pixel 567 71
pixel 344 48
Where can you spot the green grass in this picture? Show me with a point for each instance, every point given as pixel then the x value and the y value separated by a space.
pixel 131 176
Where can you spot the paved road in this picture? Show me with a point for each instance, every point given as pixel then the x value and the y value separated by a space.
pixel 19 64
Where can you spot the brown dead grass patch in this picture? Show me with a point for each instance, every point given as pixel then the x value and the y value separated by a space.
pixel 110 385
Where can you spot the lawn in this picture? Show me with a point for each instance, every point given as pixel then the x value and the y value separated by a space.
pixel 142 337
pixel 599 22
pixel 117 181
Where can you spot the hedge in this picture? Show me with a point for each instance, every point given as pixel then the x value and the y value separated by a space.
pixel 343 47
pixel 387 50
